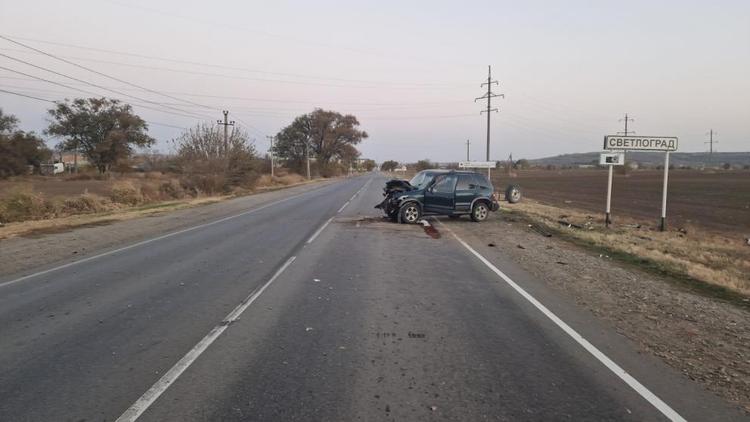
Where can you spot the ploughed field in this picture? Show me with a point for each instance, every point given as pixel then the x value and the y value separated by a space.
pixel 712 199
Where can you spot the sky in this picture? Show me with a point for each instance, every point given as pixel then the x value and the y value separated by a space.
pixel 409 70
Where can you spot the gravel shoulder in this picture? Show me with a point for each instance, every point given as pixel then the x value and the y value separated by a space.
pixel 703 337
pixel 38 249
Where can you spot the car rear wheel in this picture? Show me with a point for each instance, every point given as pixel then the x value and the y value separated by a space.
pixel 409 213
pixel 480 211
pixel 513 194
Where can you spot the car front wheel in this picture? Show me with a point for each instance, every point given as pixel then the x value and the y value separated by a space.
pixel 409 213
pixel 479 212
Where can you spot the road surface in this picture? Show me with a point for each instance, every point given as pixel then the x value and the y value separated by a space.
pixel 314 309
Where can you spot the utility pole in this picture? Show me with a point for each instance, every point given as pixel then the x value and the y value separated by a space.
pixel 711 143
pixel 626 120
pixel 489 95
pixel 467 150
pixel 307 155
pixel 226 125
pixel 270 152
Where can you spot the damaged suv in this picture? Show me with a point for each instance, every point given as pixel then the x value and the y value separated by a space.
pixel 440 192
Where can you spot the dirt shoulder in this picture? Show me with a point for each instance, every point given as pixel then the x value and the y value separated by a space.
pixel 33 245
pixel 702 336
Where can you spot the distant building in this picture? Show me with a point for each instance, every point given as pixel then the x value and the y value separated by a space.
pixel 400 169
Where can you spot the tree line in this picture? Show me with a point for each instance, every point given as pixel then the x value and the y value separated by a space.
pixel 107 132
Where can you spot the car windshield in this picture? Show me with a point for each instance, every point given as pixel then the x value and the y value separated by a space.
pixel 420 179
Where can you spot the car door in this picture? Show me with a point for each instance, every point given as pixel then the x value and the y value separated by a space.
pixel 440 197
pixel 466 191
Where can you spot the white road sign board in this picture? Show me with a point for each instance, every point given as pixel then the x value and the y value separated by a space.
pixel 477 164
pixel 640 143
pixel 612 159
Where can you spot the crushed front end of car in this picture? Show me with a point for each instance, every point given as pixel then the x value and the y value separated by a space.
pixel 392 192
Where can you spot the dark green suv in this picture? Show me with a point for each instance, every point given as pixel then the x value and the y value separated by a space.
pixel 439 192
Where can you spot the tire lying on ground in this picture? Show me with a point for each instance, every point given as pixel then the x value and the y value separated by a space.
pixel 513 194
pixel 480 211
pixel 409 213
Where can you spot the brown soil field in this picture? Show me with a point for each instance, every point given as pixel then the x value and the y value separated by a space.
pixel 717 201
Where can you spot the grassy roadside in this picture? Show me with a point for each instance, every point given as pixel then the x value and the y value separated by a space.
pixel 707 263
pixel 40 227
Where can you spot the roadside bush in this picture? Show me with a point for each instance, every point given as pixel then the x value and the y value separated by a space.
pixel 172 190
pixel 83 204
pixel 202 183
pixel 23 204
pixel 209 166
pixel 126 193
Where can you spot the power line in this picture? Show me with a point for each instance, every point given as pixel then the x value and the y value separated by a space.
pixel 91 84
pixel 90 92
pixel 242 69
pixel 27 96
pixel 276 100
pixel 50 101
pixel 94 71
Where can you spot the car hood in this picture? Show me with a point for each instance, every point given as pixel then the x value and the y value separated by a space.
pixel 397 185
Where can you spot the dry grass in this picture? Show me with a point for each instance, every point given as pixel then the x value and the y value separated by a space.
pixel 714 259
pixel 61 224
pixel 266 181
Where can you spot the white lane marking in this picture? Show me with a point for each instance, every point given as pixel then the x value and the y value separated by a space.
pixel 320 230
pixel 609 363
pixel 156 390
pixel 145 242
pixel 315 235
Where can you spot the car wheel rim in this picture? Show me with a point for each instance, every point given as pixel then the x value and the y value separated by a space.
pixel 515 194
pixel 411 214
pixel 481 212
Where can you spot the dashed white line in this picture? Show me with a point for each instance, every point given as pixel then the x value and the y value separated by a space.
pixel 156 390
pixel 315 235
pixel 639 388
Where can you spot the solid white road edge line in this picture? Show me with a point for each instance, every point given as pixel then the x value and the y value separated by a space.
pixel 342 207
pixel 315 235
pixel 611 365
pixel 145 242
pixel 156 390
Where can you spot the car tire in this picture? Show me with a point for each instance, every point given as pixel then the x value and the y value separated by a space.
pixel 409 213
pixel 513 194
pixel 480 211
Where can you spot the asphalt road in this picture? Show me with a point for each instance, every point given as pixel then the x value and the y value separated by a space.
pixel 310 309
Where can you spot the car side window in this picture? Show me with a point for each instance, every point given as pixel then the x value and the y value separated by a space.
pixel 481 181
pixel 465 182
pixel 445 184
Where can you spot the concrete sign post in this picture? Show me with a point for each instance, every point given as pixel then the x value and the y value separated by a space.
pixel 611 160
pixel 641 143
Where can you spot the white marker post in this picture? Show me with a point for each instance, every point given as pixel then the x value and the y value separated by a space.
pixel 607 219
pixel 611 160
pixel 663 225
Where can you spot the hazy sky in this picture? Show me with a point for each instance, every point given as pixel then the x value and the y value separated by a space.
pixel 408 70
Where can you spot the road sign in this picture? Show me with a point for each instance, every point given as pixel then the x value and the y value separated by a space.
pixel 477 164
pixel 637 143
pixel 640 143
pixel 612 159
